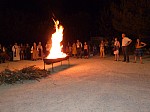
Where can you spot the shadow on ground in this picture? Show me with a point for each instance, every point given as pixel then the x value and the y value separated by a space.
pixel 59 68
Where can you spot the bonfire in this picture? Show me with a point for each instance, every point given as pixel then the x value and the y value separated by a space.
pixel 57 37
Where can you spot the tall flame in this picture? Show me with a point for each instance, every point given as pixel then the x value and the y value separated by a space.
pixel 57 37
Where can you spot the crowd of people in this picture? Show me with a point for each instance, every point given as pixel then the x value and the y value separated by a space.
pixel 76 50
pixel 18 52
pixel 125 49
pixel 83 51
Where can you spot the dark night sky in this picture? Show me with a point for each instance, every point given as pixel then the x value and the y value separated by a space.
pixel 38 6
pixel 40 10
pixel 41 7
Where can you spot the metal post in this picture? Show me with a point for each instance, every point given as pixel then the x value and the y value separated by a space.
pixel 44 65
pixel 52 67
pixel 68 62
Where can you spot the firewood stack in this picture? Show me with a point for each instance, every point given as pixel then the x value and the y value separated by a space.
pixel 29 73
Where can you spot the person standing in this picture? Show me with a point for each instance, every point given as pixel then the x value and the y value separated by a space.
pixel 40 50
pixel 34 52
pixel 47 48
pixel 138 50
pixel 86 50
pixel 74 50
pixel 102 50
pixel 16 52
pixel 94 49
pixel 27 52
pixel 116 49
pixel 2 56
pixel 79 49
pixel 125 47
pixel 22 53
pixel 10 52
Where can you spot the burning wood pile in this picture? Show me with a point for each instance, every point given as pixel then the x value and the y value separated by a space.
pixel 56 54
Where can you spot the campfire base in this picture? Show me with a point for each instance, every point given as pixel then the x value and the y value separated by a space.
pixel 52 61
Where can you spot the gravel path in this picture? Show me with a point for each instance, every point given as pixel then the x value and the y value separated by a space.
pixel 88 85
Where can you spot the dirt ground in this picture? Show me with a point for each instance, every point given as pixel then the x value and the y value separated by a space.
pixel 87 85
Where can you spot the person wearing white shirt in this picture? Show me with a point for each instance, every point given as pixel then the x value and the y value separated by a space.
pixel 16 52
pixel 125 44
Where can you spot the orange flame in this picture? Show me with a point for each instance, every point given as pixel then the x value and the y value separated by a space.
pixel 57 37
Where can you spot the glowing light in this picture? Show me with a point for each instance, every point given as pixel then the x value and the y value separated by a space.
pixel 57 37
